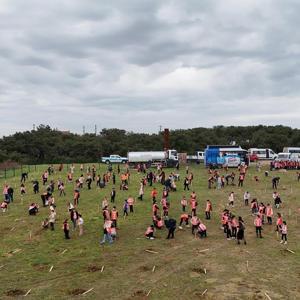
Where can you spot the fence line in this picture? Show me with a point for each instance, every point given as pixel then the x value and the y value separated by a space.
pixel 17 171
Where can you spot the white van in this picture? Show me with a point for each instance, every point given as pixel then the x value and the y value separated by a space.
pixel 261 153
pixel 291 150
pixel 283 156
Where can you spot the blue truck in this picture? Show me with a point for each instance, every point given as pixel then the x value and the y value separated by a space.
pixel 219 155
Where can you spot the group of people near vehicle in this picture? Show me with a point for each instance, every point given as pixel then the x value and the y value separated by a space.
pixel 233 226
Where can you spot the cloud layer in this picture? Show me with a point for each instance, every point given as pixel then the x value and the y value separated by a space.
pixel 139 64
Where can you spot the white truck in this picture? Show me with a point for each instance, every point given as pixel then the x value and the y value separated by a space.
pixel 198 157
pixel 114 158
pixel 167 158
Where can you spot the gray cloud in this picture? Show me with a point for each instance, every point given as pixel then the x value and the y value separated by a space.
pixel 139 64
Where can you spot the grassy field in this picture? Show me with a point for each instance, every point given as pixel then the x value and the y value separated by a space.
pixel 128 269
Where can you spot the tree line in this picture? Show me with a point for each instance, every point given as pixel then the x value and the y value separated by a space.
pixel 47 145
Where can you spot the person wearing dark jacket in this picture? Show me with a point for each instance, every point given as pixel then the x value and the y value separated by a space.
pixel 171 225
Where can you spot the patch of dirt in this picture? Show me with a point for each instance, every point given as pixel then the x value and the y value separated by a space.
pixel 199 270
pixel 76 292
pixel 40 267
pixel 93 268
pixel 139 294
pixel 144 268
pixel 15 293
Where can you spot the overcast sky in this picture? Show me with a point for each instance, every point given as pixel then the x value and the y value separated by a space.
pixel 140 64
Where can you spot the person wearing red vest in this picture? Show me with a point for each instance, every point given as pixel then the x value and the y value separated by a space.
pixel 166 210
pixel 76 197
pixel 163 202
pixel 105 213
pixel 159 223
pixel 130 202
pixel 66 229
pixel 202 230
pixel 234 225
pixel 193 204
pixel 258 226
pixel 269 213
pixel 193 195
pixel 284 233
pixel 279 222
pixel 154 194
pixel 183 203
pixel 155 208
pixel 195 223
pixel 262 212
pixel 114 214
pixel 184 218
pixel 208 209
pixel 150 232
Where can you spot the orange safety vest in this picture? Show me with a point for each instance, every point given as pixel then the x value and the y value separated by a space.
pixel 184 216
pixel 195 221
pixel 114 214
pixel 149 230
pixel 194 204
pixel 183 202
pixel 258 222
pixel 130 201
pixel 155 208
pixel 269 211
pixel 208 207
pixel 160 223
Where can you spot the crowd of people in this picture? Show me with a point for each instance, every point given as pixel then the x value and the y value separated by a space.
pixel 191 215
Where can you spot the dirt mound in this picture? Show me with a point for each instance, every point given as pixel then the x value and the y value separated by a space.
pixel 76 292
pixel 199 270
pixel 15 293
pixel 139 294
pixel 144 268
pixel 93 268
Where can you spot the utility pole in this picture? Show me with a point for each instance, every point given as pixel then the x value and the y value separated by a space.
pixel 83 129
pixel 95 129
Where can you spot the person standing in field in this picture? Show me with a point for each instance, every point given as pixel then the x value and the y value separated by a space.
pixel 106 232
pixel 208 209
pixel 74 217
pixel 279 223
pixel 247 198
pixel 130 202
pixel 183 203
pixel 258 226
pixel 52 218
pixel 186 184
pixel 195 223
pixel 113 195
pixel 241 231
pixel 231 199
pixel 80 224
pixel 105 213
pixel 66 229
pixel 171 226
pixel 154 195
pixel 141 191
pixel 269 213
pixel 284 233
pixel 275 182
pixel 114 214
pixel 194 204
pixel 125 209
